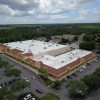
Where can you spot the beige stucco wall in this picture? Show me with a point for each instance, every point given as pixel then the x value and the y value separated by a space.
pixel 55 52
pixel 58 51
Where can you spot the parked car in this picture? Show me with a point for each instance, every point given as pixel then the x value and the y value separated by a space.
pixel 26 79
pixel 95 60
pixel 33 77
pixel 74 74
pixel 69 77
pixel 0 77
pixel 65 79
pixel 39 91
pixel 81 70
pixel 84 67
pixel 28 97
pixel 32 99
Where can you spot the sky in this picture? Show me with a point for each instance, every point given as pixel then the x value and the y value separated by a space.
pixel 49 11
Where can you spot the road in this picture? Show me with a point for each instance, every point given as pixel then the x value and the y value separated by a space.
pixel 63 92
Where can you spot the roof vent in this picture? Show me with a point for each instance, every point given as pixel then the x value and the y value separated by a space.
pixel 32 44
pixel 20 41
pixel 47 58
pixel 29 50
pixel 62 61
pixel 45 47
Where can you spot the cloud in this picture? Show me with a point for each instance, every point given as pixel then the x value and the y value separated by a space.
pixel 46 9
pixel 27 7
pixel 83 14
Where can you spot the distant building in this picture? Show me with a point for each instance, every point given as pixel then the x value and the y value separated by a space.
pixel 57 59
pixel 68 37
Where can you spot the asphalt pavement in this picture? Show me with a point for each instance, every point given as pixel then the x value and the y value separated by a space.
pixel 63 92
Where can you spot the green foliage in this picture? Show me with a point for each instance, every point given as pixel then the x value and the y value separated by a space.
pixel 19 85
pixel 6 63
pixel 23 32
pixel 89 37
pixel 77 88
pixel 63 40
pixel 75 38
pixel 97 72
pixel 92 81
pixel 9 71
pixel 43 72
pixel 50 96
pixel 3 63
pixel 6 94
pixel 87 45
pixel 56 84
pixel 10 96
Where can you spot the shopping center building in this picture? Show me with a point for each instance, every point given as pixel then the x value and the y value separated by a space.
pixel 57 59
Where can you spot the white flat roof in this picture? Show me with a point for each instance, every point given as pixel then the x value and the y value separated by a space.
pixel 34 46
pixel 63 59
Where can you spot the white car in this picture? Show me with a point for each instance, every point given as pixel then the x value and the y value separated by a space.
pixel 84 67
pixel 27 97
pixel 26 79
pixel 33 77
pixel 81 70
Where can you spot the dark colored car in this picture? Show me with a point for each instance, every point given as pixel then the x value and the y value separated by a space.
pixel 69 77
pixel 39 91
pixel 65 79
pixel 74 74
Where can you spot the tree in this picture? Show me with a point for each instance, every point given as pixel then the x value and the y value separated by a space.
pixel 12 72
pixel 1 64
pixel 43 72
pixel 77 88
pixel 89 37
pixel 6 94
pixel 5 63
pixel 97 72
pixel 75 38
pixel 56 84
pixel 92 81
pixel 87 45
pixel 10 96
pixel 19 85
pixel 50 96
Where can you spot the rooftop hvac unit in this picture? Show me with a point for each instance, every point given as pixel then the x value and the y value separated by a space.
pixel 43 42
pixel 32 44
pixel 45 47
pixel 47 58
pixel 29 50
pixel 20 41
pixel 70 57
pixel 62 61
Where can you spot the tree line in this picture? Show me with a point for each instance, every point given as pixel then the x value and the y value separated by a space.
pixel 22 32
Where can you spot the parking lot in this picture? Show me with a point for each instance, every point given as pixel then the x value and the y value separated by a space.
pixel 36 83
